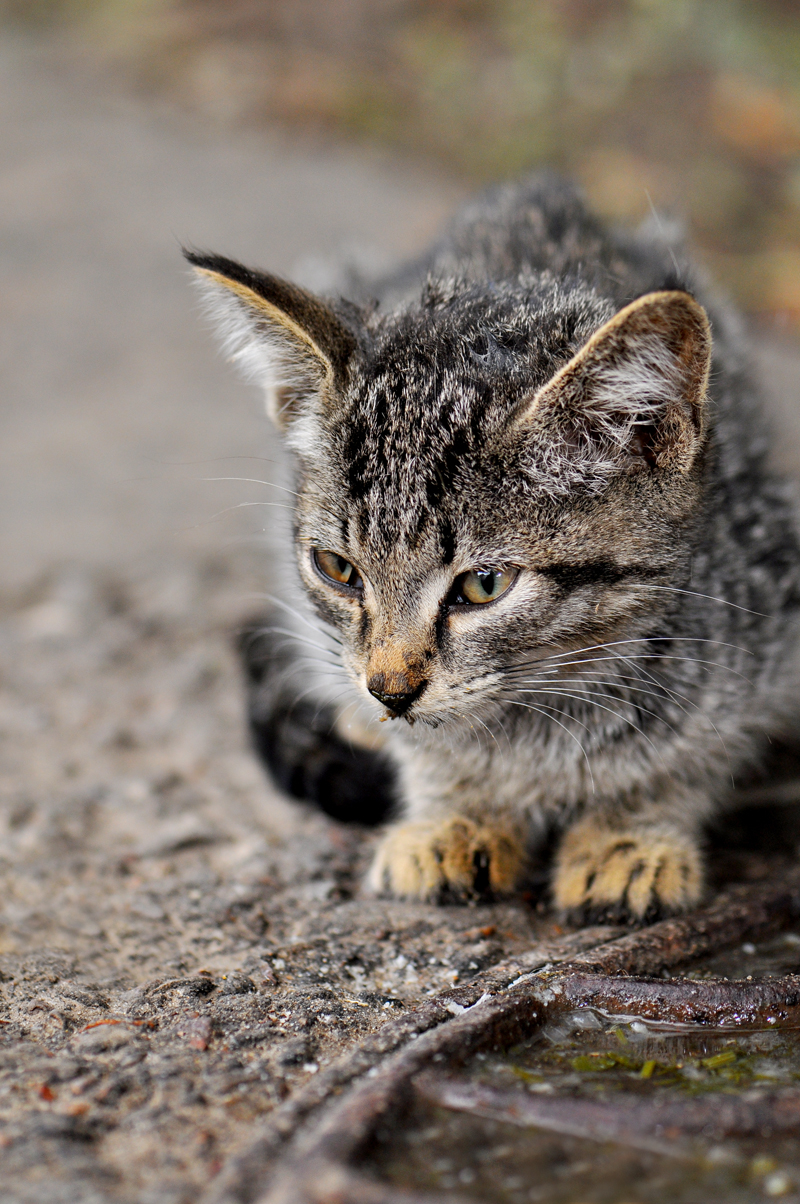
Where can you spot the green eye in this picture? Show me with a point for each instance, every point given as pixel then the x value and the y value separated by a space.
pixel 335 568
pixel 480 586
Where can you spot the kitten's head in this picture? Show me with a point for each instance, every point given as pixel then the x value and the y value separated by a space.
pixel 494 475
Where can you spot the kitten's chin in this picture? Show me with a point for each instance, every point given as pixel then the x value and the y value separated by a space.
pixel 429 721
pixel 453 722
pixel 410 719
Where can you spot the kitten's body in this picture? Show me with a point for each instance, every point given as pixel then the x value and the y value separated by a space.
pixel 534 398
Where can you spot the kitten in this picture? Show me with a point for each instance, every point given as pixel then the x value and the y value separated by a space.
pixel 533 511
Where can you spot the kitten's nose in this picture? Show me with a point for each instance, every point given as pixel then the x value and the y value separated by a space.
pixel 395 690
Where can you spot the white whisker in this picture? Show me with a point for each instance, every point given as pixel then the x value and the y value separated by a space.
pixel 588 695
pixel 692 593
pixel 252 481
pixel 236 506
pixel 622 718
pixel 477 719
pixel 656 656
pixel 542 711
pixel 325 632
pixel 655 639
pixel 292 635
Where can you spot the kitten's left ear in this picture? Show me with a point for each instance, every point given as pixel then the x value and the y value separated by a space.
pixel 285 338
pixel 635 392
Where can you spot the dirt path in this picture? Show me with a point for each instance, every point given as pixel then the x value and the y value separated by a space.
pixel 151 879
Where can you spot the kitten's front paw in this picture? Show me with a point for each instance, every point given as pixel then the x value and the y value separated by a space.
pixel 633 874
pixel 454 858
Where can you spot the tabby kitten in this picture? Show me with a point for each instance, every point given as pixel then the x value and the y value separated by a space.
pixel 533 513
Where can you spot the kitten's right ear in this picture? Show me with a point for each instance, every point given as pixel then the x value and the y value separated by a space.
pixel 285 338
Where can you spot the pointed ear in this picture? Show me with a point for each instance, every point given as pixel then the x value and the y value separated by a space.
pixel 288 340
pixel 635 393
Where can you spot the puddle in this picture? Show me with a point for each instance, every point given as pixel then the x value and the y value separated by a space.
pixel 604 1110
pixel 767 959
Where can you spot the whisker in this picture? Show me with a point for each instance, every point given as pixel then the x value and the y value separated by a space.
pixel 323 702
pixel 292 635
pixel 671 693
pixel 593 681
pixel 332 667
pixel 253 481
pixel 662 691
pixel 693 660
pixel 654 639
pixel 542 711
pixel 588 695
pixel 622 718
pixel 331 702
pixel 289 677
pixel 236 506
pixel 692 593
pixel 296 614
pixel 207 460
pixel 478 719
pixel 649 676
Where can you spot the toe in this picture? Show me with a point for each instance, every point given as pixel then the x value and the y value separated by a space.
pixel 507 859
pixel 457 859
pixel 458 843
pixel 633 875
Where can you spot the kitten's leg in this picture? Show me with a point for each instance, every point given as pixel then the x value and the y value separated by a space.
pixel 297 737
pixel 635 870
pixel 452 857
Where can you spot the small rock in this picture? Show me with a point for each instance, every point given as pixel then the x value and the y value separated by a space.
pixel 107 1034
pixel 294 1052
pixel 180 833
pixel 264 976
pixel 251 1036
pixel 198 1031
pixel 237 984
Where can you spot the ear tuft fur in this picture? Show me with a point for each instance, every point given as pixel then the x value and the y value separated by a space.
pixel 633 395
pixel 281 336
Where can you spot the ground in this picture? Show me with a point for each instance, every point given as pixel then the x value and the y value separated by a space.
pixel 181 949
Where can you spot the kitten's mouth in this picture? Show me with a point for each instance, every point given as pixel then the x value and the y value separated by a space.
pixel 398 705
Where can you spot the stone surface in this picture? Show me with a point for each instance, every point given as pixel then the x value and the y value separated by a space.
pixel 180 949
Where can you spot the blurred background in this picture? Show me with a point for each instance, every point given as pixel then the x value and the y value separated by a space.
pixel 293 133
pixel 692 105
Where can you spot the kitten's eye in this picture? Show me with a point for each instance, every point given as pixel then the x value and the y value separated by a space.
pixel 480 586
pixel 338 570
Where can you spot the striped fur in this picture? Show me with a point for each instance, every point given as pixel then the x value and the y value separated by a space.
pixel 540 396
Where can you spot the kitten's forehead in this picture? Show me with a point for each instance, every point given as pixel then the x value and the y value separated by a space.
pixel 410 432
pixel 422 423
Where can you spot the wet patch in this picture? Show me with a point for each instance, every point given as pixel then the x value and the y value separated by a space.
pixel 607 1109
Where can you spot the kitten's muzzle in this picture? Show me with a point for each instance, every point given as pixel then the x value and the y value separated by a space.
pixel 395 691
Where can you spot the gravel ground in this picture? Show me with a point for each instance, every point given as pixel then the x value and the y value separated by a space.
pixel 180 949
